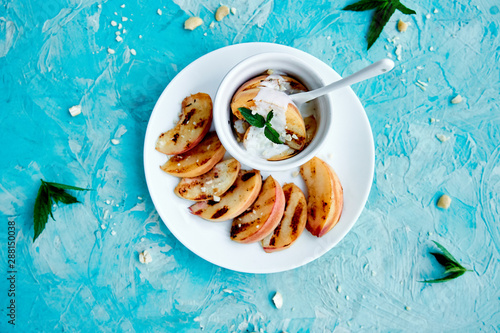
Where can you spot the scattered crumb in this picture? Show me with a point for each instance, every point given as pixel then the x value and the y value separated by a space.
pixel 116 13
pixel 75 110
pixel 339 289
pixel 216 198
pixel 228 291
pixel 119 39
pixel 139 198
pixel 233 10
pixel 295 174
pixel 346 297
pixel 420 85
pixel 442 137
pixel 113 233
pixel 420 67
pixel 387 126
pixel 145 257
pixel 221 12
pixel 124 31
pixel 103 226
pixel 159 12
pixel 436 11
pixel 432 120
pixel 407 308
pixel 99 5
pixel 192 23
pixel 278 300
pixel 428 15
pixel 113 23
pixel 124 19
pixel 120 26
pixel 374 273
pixel 212 25
pixel 402 26
pixel 133 52
pixel 115 141
pixel 457 99
pixel 118 33
pixel 140 36
pixel 444 201
pixel 431 48
pixel 205 34
pixel 123 6
pixel 398 51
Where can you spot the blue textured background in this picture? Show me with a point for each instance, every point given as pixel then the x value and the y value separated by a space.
pixel 79 277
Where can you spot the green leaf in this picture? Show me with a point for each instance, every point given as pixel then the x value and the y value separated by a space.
pixel 253 119
pixel 59 195
pixel 405 10
pixel 445 252
pixel 446 278
pixel 445 261
pixel 43 207
pixel 270 116
pixel 272 135
pixel 66 187
pixel 379 20
pixel 364 5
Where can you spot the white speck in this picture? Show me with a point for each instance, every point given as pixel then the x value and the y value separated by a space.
pixel 420 86
pixel 430 233
pixel 216 198
pixel 159 12
pixel 457 99
pixel 139 198
pixel 404 70
pixel 124 19
pixel 442 137
pixel 123 6
pixel 142 239
pixel 422 83
pixel 420 67
pixel 233 10
pixel 339 289
pixel 389 55
pixel 398 51
pixel 228 291
pixel 432 120
pixel 113 233
pixel 120 26
pixel 328 37
pixel 119 39
pixel 387 126
pixel 212 25
pixel 295 174
pixel 99 5
pixel 117 205
pixel 346 297
pixel 431 48
pixel 257 226
pixel 140 36
pixel 108 202
pixel 239 225
pixel 118 33
pixel 133 52
pixel 116 13
pixel 111 51
pixel 124 31
pixel 428 15
pixel 145 257
pixel 103 226
pixel 436 11
pixel 115 141
pixel 205 34
pixel 114 24
pixel 374 273
pixel 75 110
pixel 407 308
pixel 106 214
pixel 203 189
pixel 278 300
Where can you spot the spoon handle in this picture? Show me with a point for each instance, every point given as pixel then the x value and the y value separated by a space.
pixel 377 68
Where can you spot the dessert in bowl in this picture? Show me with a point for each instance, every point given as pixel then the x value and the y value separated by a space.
pixel 259 86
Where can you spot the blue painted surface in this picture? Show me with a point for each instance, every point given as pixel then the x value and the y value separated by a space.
pixel 80 277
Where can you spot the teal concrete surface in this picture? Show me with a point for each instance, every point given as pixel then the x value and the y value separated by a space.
pixel 83 273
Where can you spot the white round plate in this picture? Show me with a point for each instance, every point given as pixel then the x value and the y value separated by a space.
pixel 350 153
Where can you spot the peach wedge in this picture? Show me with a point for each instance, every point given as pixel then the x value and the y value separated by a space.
pixel 265 214
pixel 194 123
pixel 234 201
pixel 198 160
pixel 293 222
pixel 326 200
pixel 213 183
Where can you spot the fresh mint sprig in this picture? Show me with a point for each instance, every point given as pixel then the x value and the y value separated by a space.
pixel 48 194
pixel 451 265
pixel 259 121
pixel 383 12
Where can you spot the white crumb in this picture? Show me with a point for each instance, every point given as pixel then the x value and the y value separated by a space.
pixel 123 6
pixel 442 138
pixel 103 226
pixel 133 52
pixel 278 300
pixel 145 257
pixel 457 99
pixel 115 141
pixel 114 24
pixel 159 12
pixel 119 39
pixel 113 233
pixel 75 110
pixel 233 10
pixel 124 19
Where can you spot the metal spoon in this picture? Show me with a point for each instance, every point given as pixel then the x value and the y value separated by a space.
pixel 375 69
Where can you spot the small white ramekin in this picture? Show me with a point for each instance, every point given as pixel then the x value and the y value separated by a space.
pixel 252 67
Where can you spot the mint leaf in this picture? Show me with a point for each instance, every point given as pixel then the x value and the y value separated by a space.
pixel 272 135
pixel 364 5
pixel 47 193
pixel 451 265
pixel 446 278
pixel 405 10
pixel 379 20
pixel 270 116
pixel 253 119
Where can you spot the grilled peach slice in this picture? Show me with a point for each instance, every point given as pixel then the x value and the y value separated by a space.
pixel 194 123
pixel 286 154
pixel 311 127
pixel 264 215
pixel 293 222
pixel 271 81
pixel 234 201
pixel 213 183
pixel 295 126
pixel 326 200
pixel 198 160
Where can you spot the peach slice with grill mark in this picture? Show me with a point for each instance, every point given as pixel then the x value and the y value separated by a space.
pixel 234 201
pixel 264 215
pixel 326 199
pixel 266 80
pixel 194 123
pixel 213 183
pixel 198 160
pixel 293 222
